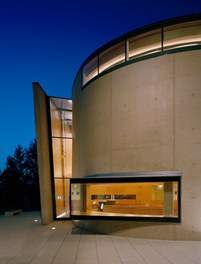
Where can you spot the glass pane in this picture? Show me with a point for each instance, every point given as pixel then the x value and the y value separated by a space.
pixel 141 199
pixel 111 57
pixel 90 70
pixel 61 121
pixel 56 122
pixel 182 35
pixel 62 198
pixel 144 44
pixel 62 157
pixel 62 103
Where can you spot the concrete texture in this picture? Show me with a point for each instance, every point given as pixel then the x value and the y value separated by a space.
pixel 43 152
pixel 145 116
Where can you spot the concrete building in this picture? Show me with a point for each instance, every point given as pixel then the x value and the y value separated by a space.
pixel 130 162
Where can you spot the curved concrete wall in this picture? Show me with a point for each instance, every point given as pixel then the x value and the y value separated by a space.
pixel 145 116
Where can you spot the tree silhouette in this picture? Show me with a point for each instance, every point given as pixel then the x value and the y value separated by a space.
pixel 14 177
pixel 31 162
pixel 19 181
pixel 31 184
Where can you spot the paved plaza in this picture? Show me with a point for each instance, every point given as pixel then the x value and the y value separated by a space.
pixel 24 240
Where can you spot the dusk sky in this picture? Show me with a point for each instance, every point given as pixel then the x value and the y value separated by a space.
pixel 46 41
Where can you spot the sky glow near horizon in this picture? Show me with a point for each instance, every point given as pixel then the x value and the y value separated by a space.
pixel 46 41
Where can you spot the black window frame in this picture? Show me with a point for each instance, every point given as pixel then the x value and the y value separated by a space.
pixel 131 178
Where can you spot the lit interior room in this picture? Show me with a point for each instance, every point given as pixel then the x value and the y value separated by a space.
pixel 125 199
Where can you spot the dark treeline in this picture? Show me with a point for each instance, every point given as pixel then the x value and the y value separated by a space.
pixel 19 182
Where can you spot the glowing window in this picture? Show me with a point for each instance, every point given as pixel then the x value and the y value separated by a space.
pixel 182 35
pixel 112 56
pixel 61 132
pixel 137 198
pixel 144 44
pixel 90 70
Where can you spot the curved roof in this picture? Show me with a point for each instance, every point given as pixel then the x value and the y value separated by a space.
pixel 167 36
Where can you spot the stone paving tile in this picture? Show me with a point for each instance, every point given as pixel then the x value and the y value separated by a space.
pixel 126 251
pixel 172 254
pixel 24 240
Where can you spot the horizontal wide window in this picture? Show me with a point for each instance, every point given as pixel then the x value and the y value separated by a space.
pixel 112 57
pixel 141 199
pixel 144 44
pixel 90 70
pixel 180 35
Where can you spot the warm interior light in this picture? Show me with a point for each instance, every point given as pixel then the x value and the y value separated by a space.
pixel 59 197
pixel 61 215
pixel 145 199
pixel 144 50
pixel 112 62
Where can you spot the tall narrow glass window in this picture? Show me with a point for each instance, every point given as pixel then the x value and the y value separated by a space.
pixel 112 56
pixel 61 123
pixel 182 35
pixel 145 44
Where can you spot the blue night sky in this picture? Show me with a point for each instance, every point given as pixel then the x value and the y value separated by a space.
pixel 46 41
